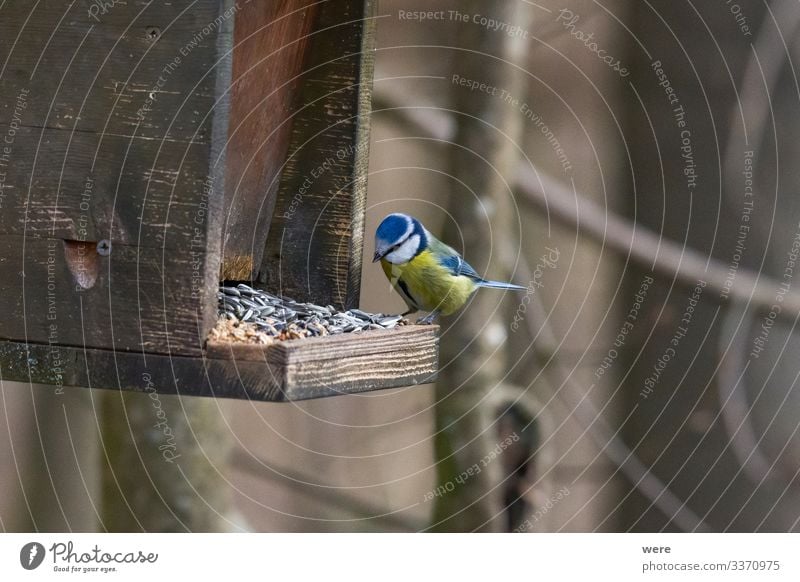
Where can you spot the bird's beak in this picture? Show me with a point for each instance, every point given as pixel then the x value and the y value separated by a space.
pixel 378 256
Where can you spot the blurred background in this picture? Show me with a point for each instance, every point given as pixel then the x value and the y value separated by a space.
pixel 632 164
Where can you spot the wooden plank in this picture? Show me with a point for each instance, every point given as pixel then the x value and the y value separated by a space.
pixel 271 41
pixel 138 298
pixel 91 368
pixel 143 68
pixel 346 363
pixel 404 357
pixel 84 186
pixel 121 138
pixel 314 246
pixel 318 349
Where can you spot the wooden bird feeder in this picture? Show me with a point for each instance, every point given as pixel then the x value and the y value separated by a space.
pixel 149 150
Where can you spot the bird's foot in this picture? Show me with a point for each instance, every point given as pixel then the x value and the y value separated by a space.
pixel 428 319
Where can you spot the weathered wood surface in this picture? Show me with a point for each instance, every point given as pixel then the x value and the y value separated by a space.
pixel 119 127
pixel 145 70
pixel 295 370
pixel 84 186
pixel 270 41
pixel 114 123
pixel 343 363
pixel 314 246
pixel 141 298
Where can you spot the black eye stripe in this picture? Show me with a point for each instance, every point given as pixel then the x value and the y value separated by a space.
pixel 397 245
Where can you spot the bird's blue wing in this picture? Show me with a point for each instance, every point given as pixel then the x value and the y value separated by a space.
pixel 458 266
pixel 453 262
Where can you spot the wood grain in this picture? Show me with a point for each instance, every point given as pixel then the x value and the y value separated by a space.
pixel 314 246
pixel 271 40
pixel 296 370
pixel 84 186
pixel 142 299
pixel 123 136
pixel 97 76
pixel 346 363
pixel 114 128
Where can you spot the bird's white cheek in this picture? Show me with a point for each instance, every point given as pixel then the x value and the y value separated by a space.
pixel 404 252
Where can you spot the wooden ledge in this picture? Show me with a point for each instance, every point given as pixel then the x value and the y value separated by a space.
pixel 345 363
pixel 290 370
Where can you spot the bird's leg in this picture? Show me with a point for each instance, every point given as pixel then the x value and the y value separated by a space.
pixel 409 312
pixel 428 319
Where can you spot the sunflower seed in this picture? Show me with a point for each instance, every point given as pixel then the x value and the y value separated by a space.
pixel 282 317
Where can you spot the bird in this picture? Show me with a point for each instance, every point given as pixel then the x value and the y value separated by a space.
pixel 429 275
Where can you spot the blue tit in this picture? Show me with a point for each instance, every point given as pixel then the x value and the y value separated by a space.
pixel 428 274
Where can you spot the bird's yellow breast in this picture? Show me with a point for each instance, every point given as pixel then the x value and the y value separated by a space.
pixel 429 285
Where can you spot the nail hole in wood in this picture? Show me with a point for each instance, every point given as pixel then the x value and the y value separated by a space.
pixel 82 261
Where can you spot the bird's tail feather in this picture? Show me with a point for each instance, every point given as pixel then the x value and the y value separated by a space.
pixel 500 285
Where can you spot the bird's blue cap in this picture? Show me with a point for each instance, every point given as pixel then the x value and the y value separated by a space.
pixel 394 229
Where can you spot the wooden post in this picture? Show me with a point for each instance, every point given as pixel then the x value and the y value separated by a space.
pixel 271 40
pixel 315 240
pixel 111 219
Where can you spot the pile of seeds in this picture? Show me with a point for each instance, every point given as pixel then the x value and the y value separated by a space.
pixel 251 315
